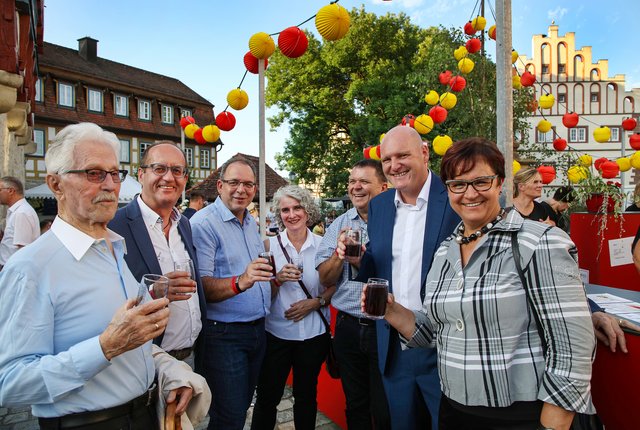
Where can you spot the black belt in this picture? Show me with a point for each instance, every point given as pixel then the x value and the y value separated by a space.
pixel 180 354
pixel 147 399
pixel 362 321
pixel 254 322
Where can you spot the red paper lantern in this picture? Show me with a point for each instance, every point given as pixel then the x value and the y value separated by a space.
pixel 473 45
pixel 609 169
pixel 599 162
pixel 457 83
pixel 251 63
pixel 438 114
pixel 559 144
pixel 197 136
pixel 292 42
pixel 629 124
pixel 570 119
pixel 527 79
pixel 408 119
pixel 634 141
pixel 548 174
pixel 225 121
pixel 468 29
pixel 366 152
pixel 445 77
pixel 186 120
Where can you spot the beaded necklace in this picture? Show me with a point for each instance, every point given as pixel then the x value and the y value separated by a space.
pixel 463 240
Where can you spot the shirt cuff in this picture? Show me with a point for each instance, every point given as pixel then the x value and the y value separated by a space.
pixel 88 358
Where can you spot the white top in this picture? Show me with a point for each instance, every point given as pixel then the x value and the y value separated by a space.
pixel 291 292
pixel 22 228
pixel 184 321
pixel 407 246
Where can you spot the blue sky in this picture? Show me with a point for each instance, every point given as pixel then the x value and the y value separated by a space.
pixel 202 42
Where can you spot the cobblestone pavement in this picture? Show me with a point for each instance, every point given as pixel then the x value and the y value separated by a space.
pixel 21 419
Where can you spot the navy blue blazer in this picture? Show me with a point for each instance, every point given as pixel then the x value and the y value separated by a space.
pixel 141 257
pixel 376 261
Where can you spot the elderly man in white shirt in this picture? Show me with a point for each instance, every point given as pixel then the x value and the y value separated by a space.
pixel 22 224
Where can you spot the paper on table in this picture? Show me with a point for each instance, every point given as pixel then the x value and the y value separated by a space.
pixel 635 317
pixel 606 298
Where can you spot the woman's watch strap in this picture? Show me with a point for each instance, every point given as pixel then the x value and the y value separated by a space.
pixel 323 301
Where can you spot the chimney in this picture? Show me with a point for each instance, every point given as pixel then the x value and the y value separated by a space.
pixel 88 48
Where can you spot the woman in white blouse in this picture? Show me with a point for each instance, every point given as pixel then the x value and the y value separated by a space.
pixel 296 333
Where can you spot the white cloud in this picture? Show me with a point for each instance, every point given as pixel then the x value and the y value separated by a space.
pixel 557 13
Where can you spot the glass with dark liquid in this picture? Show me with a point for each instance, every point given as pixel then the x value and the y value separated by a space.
pixel 353 243
pixel 375 299
pixel 268 255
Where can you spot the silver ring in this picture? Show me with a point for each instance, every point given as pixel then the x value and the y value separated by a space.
pixel 620 322
pixel 157 326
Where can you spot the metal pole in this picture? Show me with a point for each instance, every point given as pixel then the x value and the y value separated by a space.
pixel 504 93
pixel 261 139
pixel 183 151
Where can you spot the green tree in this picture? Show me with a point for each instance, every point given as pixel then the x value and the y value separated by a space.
pixel 340 96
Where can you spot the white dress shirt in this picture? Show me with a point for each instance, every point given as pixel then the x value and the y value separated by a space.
pixel 184 322
pixel 407 246
pixel 22 228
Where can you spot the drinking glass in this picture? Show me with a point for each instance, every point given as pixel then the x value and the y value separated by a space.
pixel 299 263
pixel 185 265
pixel 375 299
pixel 157 285
pixel 353 243
pixel 268 255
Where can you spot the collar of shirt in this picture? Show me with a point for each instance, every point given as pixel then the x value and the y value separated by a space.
pixel 353 214
pixel 151 218
pixel 226 214
pixel 308 242
pixel 423 196
pixel 14 207
pixel 76 241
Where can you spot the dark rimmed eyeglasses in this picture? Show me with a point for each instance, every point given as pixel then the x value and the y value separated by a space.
pixel 99 175
pixel 481 183
pixel 234 183
pixel 160 169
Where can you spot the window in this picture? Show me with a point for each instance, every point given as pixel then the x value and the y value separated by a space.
pixel 615 134
pixel 562 68
pixel 39 90
pixel 125 151
pixel 578 135
pixel 65 94
pixel 545 137
pixel 167 114
pixel 144 110
pixel 595 97
pixel 205 158
pixel 38 138
pixel 94 100
pixel 186 112
pixel 189 153
pixel 121 104
pixel 562 98
pixel 545 69
pixel 143 147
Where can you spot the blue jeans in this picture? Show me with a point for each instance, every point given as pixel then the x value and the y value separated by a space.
pixel 233 357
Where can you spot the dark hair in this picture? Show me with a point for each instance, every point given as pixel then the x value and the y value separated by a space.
pixel 237 159
pixel 465 153
pixel 196 193
pixel 145 154
pixel 374 164
pixel 14 183
pixel 564 194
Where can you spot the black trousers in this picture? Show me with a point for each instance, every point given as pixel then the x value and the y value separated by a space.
pixel 139 419
pixel 519 416
pixel 356 348
pixel 306 358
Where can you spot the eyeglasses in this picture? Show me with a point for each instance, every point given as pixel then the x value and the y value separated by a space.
pixel 234 183
pixel 459 186
pixel 162 169
pixel 99 175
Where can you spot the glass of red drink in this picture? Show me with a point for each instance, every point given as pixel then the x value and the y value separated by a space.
pixel 375 299
pixel 353 243
pixel 268 255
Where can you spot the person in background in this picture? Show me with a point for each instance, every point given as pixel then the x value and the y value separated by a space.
pixel 45 225
pixel 635 250
pixel 557 205
pixel 355 342
pixel 527 186
pixel 297 338
pixel 196 202
pixel 22 225
pixel 635 206
pixel 318 228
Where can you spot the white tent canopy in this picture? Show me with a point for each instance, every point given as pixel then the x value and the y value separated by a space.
pixel 130 187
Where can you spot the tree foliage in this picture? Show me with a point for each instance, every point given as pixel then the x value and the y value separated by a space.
pixel 340 96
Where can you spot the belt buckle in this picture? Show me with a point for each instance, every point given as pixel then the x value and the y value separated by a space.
pixel 151 393
pixel 363 322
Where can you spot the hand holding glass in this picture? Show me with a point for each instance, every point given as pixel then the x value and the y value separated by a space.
pixel 157 285
pixel 299 263
pixel 375 299
pixel 268 255
pixel 185 265
pixel 353 243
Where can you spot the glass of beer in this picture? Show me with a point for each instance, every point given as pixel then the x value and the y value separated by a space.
pixel 353 243
pixel 375 299
pixel 268 255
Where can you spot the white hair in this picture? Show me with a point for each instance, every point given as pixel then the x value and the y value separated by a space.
pixel 60 153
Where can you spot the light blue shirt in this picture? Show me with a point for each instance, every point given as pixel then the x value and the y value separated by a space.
pixel 347 295
pixel 225 248
pixel 57 296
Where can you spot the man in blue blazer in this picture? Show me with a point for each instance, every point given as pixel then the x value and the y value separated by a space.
pixel 406 225
pixel 156 236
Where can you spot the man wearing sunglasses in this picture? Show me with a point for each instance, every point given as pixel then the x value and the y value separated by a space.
pixel 157 236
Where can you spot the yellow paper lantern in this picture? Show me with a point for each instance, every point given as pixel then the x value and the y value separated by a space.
pixel 448 100
pixel 624 164
pixel 441 144
pixel 211 133
pixel 466 65
pixel 576 174
pixel 546 101
pixel 432 98
pixel 460 53
pixel 516 166
pixel 261 45
pixel 602 134
pixel 332 21
pixel 635 160
pixel 585 160
pixel 479 23
pixel 373 153
pixel 423 124
pixel 543 126
pixel 514 56
pixel 190 129
pixel 515 82
pixel 238 99
pixel 382 137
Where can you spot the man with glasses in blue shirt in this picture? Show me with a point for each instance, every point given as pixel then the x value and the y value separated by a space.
pixel 236 285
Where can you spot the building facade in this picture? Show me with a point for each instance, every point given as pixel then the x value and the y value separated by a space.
pixel 139 106
pixel 580 84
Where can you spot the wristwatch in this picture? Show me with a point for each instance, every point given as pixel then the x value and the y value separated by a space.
pixel 322 300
